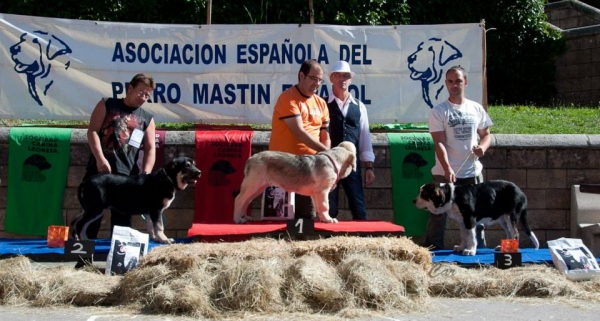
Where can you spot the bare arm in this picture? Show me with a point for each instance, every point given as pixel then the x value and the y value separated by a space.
pixel 324 137
pixel 295 126
pixel 369 174
pixel 485 140
pixel 96 121
pixel 149 148
pixel 439 141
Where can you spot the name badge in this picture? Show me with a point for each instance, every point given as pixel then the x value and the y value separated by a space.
pixel 136 138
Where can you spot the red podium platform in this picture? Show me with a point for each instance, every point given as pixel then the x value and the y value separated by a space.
pixel 240 232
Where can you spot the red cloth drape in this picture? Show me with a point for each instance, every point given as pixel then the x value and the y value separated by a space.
pixel 221 153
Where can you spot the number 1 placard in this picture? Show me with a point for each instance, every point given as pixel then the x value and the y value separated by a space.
pixel 301 226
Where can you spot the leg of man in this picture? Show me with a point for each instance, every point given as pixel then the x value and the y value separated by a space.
pixel 118 218
pixel 436 225
pixel 91 231
pixel 353 187
pixel 333 201
pixel 303 207
pixel 479 228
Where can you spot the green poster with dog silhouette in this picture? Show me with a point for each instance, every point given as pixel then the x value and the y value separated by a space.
pixel 412 156
pixel 38 162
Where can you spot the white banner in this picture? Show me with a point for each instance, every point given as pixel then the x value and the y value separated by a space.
pixel 60 68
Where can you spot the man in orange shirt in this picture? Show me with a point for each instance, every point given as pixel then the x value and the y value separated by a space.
pixel 300 123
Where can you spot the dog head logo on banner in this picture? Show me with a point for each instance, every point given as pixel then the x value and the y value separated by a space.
pixel 33 168
pixel 427 63
pixel 219 172
pixel 33 56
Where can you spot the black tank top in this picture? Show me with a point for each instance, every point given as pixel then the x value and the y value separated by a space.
pixel 119 123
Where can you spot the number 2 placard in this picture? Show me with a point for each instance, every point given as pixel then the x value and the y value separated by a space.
pixel 77 249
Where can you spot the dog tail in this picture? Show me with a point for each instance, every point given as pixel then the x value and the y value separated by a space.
pixel 528 230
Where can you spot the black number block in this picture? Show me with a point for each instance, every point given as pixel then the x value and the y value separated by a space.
pixel 301 226
pixel 507 260
pixel 79 249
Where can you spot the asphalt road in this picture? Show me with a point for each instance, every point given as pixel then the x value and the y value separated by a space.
pixel 441 309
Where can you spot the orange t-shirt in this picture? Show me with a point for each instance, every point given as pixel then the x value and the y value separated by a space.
pixel 291 103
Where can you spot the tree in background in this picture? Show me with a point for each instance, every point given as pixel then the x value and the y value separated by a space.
pixel 521 47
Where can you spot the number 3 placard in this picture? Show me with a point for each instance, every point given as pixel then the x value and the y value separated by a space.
pixel 507 260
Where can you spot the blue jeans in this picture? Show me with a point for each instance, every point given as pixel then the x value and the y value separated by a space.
pixel 303 206
pixel 353 187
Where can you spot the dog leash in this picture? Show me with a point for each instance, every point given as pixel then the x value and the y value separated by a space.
pixel 466 159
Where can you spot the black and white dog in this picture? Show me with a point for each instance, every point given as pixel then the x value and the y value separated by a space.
pixel 491 202
pixel 148 194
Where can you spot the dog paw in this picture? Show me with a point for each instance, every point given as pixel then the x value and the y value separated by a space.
pixel 163 241
pixel 468 252
pixel 458 248
pixel 329 220
pixel 242 219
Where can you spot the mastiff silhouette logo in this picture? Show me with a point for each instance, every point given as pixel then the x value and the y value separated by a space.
pixel 218 173
pixel 33 168
pixel 33 56
pixel 427 65
pixel 411 166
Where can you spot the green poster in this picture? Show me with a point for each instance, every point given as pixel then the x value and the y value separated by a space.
pixel 38 162
pixel 412 156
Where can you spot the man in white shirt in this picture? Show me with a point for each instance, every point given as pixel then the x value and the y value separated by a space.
pixel 349 122
pixel 460 131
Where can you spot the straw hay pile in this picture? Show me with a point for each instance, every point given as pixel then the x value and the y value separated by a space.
pixel 334 276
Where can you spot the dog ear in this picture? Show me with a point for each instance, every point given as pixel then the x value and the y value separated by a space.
pixel 440 195
pixel 447 53
pixel 352 160
pixel 56 47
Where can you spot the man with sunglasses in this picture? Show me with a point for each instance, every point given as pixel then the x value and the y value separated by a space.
pixel 300 123
pixel 118 128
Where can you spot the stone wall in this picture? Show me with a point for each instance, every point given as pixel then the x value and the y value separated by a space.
pixel 544 166
pixel 578 70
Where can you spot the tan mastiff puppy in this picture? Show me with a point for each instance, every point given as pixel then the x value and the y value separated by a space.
pixel 310 175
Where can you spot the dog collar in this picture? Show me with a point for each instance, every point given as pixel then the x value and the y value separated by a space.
pixel 335 168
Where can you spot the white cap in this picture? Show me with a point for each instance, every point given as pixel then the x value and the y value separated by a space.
pixel 341 66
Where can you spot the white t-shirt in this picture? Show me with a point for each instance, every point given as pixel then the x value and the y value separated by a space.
pixel 460 123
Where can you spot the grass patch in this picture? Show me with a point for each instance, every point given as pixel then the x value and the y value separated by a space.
pixel 544 120
pixel 507 120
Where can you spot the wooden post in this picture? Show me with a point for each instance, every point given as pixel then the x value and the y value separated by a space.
pixel 208 11
pixel 484 101
pixel 311 12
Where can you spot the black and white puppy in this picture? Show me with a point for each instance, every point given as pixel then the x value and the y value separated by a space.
pixel 148 194
pixel 491 202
